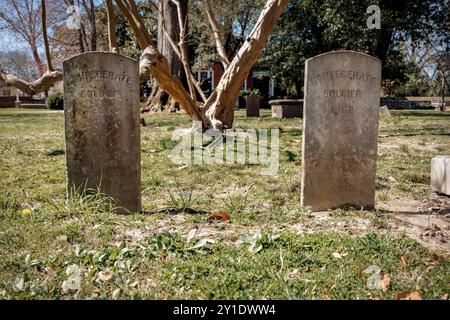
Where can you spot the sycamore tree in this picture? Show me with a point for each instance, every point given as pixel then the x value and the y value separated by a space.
pixel 215 111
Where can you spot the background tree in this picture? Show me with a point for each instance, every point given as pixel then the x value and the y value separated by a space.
pixel 312 27
pixel 48 78
pixel 23 19
pixel 19 63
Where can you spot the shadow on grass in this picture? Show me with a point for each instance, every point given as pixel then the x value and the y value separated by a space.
pixel 415 134
pixel 173 211
pixel 425 113
pixel 55 153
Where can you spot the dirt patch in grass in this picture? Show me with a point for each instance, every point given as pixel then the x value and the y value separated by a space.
pixel 426 221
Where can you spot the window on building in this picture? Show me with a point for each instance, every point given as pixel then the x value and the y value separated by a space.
pixel 244 85
pixel 206 80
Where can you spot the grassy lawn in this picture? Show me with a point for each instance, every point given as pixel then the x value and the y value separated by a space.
pixel 271 248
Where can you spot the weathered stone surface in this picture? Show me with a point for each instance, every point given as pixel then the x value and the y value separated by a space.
pixel 101 102
pixel 440 174
pixel 292 108
pixel 384 112
pixel 340 133
pixel 252 105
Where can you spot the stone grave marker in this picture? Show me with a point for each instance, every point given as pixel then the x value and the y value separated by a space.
pixel 340 130
pixel 440 174
pixel 384 112
pixel 288 108
pixel 102 133
pixel 252 105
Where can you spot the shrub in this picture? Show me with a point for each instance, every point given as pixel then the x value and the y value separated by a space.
pixel 55 101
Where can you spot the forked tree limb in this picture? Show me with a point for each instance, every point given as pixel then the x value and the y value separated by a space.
pixel 219 109
pixel 42 84
pixel 154 63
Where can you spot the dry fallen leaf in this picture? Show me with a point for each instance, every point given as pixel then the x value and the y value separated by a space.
pixel 408 295
pixel 385 282
pixel 445 296
pixel 403 259
pixel 105 276
pixel 338 255
pixel 223 216
pixel 294 273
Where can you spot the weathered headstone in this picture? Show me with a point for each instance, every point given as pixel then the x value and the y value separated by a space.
pixel 384 112
pixel 340 133
pixel 289 108
pixel 252 105
pixel 440 174
pixel 101 102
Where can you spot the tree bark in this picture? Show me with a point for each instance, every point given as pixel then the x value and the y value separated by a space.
pixel 159 100
pixel 44 31
pixel 169 9
pixel 93 26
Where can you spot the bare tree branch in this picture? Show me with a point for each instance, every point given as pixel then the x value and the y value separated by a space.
pixel 215 29
pixel 44 31
pixel 142 38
